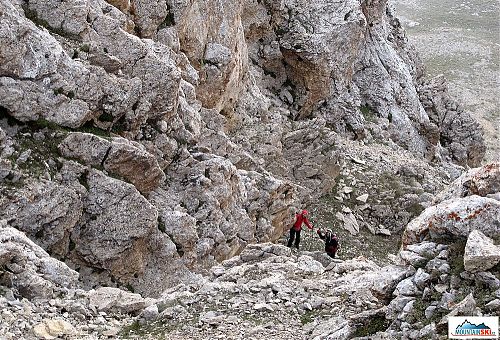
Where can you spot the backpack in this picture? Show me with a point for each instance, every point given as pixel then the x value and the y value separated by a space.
pixel 330 240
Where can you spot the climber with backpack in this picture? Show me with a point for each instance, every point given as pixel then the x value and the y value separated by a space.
pixel 331 242
pixel 300 218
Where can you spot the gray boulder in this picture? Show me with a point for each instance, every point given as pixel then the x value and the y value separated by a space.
pixel 116 224
pixel 478 181
pixel 480 253
pixel 30 270
pixel 108 299
pixel 47 212
pixel 455 217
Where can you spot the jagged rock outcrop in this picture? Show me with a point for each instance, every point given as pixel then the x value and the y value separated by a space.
pixel 458 134
pixel 222 209
pixel 218 119
pixel 40 81
pixel 70 91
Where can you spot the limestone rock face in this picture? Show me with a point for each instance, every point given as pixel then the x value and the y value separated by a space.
pixel 481 181
pixel 30 270
pixel 69 91
pixel 117 222
pixel 480 253
pixel 119 156
pixel 47 212
pixel 38 80
pixel 218 119
pixel 367 84
pixel 216 47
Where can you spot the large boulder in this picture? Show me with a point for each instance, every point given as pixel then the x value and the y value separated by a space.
pixel 481 181
pixel 119 156
pixel 108 299
pixel 29 269
pixel 455 217
pixel 480 253
pixel 46 211
pixel 116 224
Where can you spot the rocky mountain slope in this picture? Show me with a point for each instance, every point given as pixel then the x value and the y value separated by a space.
pixel 443 269
pixel 144 143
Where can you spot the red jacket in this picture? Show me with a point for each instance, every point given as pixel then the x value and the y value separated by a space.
pixel 299 219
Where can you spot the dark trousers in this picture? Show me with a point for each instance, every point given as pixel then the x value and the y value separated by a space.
pixel 331 251
pixel 294 235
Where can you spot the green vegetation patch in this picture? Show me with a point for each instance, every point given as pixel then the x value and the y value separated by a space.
pixel 368 113
pixel 377 323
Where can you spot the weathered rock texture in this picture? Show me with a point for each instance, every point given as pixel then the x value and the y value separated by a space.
pixel 142 141
pixel 28 268
pixel 461 208
pixel 480 253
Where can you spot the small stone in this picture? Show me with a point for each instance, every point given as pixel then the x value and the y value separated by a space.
pixel 493 306
pixel 262 306
pixel 256 330
pixel 358 161
pixel 150 313
pixel 51 329
pixel 307 306
pixel 441 288
pixel 421 278
pixel 363 198
pixel 383 231
pixel 111 331
pixel 347 190
pixel 23 157
pixel 429 311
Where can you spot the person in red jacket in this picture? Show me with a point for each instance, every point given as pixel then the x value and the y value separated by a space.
pixel 300 218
